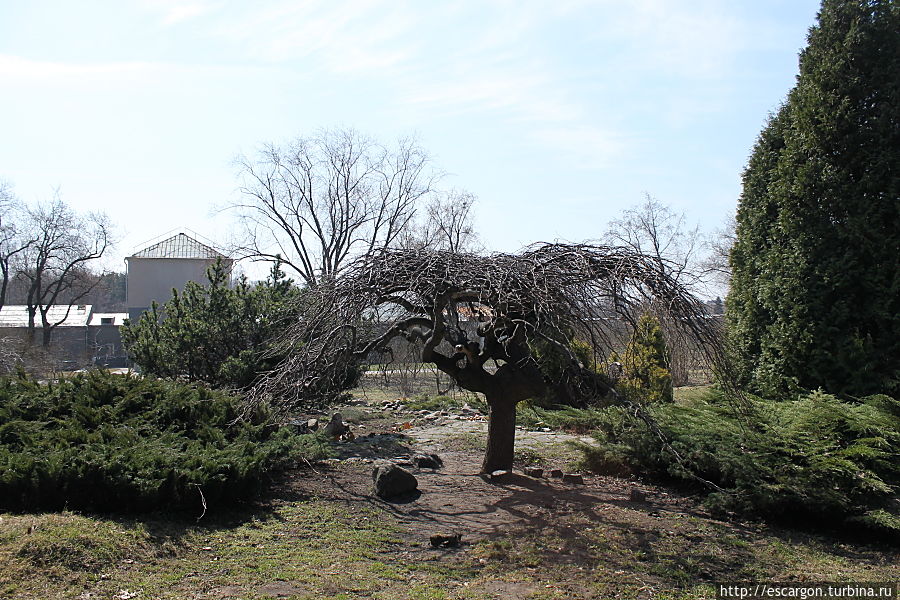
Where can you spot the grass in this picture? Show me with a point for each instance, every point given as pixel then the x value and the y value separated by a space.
pixel 319 547
pixel 304 548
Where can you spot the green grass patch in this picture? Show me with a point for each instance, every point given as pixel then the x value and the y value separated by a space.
pixel 433 403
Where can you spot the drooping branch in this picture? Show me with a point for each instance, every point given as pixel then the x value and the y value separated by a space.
pixel 468 310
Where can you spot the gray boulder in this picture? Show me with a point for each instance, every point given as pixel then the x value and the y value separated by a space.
pixel 392 481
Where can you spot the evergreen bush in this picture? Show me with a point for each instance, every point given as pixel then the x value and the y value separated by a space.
pixel 816 457
pixel 647 378
pixel 815 293
pixel 103 442
pixel 219 334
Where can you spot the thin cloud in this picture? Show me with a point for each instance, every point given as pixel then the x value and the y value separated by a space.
pixel 25 70
pixel 177 11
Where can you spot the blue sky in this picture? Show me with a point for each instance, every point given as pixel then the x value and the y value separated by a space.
pixel 556 114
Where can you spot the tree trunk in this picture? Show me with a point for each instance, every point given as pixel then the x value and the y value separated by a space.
pixel 501 435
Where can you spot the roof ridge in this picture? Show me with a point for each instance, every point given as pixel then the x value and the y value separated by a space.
pixel 180 245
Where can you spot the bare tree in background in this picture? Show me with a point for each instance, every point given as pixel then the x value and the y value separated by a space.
pixel 717 263
pixel 447 224
pixel 655 230
pixel 55 266
pixel 321 201
pixel 14 240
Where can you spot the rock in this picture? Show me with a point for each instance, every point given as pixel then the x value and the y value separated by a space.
pixel 312 425
pixel 556 473
pixel 440 540
pixel 636 495
pixel 392 481
pixel 573 478
pixel 432 416
pixel 428 461
pixel 336 425
pixel 499 475
pixel 536 472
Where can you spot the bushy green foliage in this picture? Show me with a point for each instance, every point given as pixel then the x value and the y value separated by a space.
pixel 213 333
pixel 124 443
pixel 570 418
pixel 814 457
pixel 559 373
pixel 647 378
pixel 815 294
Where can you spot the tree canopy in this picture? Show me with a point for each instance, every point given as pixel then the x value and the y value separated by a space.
pixel 480 319
pixel 815 298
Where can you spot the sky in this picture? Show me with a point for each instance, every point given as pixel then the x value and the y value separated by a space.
pixel 556 114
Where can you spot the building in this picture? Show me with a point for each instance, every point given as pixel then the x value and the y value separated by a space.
pixel 80 337
pixel 155 271
pixel 83 337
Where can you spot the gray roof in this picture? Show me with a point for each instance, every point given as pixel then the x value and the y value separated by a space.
pixel 16 315
pixel 179 246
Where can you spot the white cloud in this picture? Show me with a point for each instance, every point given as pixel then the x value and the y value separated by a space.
pixel 178 11
pixel 16 68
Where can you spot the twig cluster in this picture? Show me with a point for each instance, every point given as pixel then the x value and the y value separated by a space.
pixel 491 322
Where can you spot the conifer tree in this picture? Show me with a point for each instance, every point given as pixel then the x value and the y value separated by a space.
pixel 214 333
pixel 815 299
pixel 646 359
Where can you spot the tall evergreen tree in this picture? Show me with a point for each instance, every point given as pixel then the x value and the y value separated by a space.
pixel 815 299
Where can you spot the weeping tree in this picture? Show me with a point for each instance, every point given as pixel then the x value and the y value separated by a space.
pixel 508 326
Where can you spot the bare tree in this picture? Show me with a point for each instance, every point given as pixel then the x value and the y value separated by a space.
pixel 13 237
pixel 55 266
pixel 717 263
pixel 655 230
pixel 324 200
pixel 447 224
pixel 493 323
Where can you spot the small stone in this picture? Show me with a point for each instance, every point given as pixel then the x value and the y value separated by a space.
pixel 312 424
pixel 428 461
pixel 573 478
pixel 556 473
pixel 440 540
pixel 636 495
pixel 535 472
pixel 499 474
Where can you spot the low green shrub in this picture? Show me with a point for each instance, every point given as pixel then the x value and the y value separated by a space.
pixel 569 418
pixel 426 402
pixel 816 457
pixel 105 442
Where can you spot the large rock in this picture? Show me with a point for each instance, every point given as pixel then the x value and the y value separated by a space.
pixel 392 481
